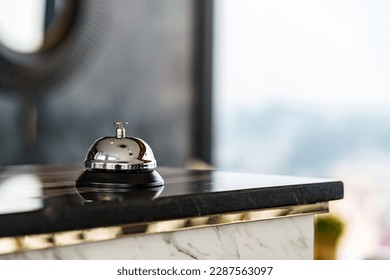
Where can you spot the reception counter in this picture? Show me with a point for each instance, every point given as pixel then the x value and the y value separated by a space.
pixel 196 215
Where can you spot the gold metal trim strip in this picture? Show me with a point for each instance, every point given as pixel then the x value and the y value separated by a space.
pixel 49 240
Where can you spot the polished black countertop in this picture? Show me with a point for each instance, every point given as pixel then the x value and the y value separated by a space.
pixel 43 199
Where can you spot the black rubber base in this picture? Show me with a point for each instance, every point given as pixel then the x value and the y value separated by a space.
pixel 120 179
pixel 119 185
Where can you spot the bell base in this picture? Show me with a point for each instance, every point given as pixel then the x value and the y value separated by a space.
pixel 108 186
pixel 121 180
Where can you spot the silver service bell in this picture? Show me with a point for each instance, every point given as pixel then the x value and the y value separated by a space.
pixel 116 164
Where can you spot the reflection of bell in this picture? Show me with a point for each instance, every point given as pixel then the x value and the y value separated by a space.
pixel 119 164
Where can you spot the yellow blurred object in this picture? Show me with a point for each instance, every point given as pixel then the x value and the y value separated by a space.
pixel 328 229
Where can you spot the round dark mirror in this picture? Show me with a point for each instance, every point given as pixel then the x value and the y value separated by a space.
pixel 43 41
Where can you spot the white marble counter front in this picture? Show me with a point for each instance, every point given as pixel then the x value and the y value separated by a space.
pixel 282 238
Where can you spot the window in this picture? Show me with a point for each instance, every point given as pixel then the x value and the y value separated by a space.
pixel 303 88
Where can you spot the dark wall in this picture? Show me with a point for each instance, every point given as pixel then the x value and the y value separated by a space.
pixel 140 71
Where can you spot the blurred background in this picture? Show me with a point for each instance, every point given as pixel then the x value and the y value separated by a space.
pixel 285 87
